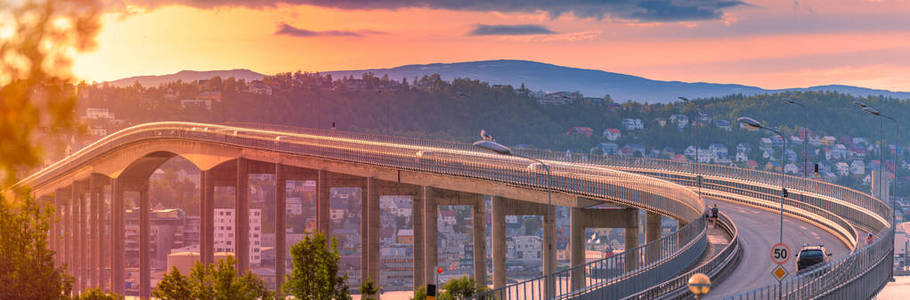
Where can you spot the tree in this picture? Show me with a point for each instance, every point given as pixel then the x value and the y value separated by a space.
pixel 315 274
pixel 368 289
pixel 215 281
pixel 461 288
pixel 97 294
pixel 27 269
pixel 420 293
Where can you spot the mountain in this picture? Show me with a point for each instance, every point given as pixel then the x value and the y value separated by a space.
pixel 187 76
pixel 542 76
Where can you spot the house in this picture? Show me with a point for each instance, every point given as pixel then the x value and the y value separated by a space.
pixel 196 103
pixel 690 151
pixel 633 124
pixel 705 156
pixel 766 143
pixel 210 95
pixel 795 140
pixel 609 148
pixel 679 120
pixel 718 149
pixel 527 247
pixel 791 168
pixel 578 130
pixel 842 168
pixel 860 141
pixel 660 121
pixel 828 140
pixel 742 156
pixel 259 87
pixel 723 124
pixel 751 164
pixel 791 155
pixel 839 152
pixel 858 167
pixel 703 119
pixel 634 148
pixel 612 134
pixel 98 113
pixel 815 140
pixel 447 216
pixel 680 158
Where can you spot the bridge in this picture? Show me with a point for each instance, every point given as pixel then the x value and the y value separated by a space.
pixel 600 193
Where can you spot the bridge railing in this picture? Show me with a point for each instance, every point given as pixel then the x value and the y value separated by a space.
pixel 618 275
pixel 677 287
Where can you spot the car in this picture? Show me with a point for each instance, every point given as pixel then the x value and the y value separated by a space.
pixel 811 256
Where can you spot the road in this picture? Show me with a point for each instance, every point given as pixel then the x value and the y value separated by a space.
pixel 758 230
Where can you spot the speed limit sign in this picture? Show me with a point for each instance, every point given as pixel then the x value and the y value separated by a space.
pixel 780 253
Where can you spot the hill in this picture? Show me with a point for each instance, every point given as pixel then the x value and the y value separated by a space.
pixel 542 76
pixel 186 76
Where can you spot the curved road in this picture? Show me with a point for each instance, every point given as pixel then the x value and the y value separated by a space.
pixel 758 230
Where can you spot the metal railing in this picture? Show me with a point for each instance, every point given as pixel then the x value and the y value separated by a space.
pixel 677 288
pixel 618 275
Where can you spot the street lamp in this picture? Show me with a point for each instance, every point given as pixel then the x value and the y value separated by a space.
pixel 695 131
pixel 699 285
pixel 806 141
pixel 488 143
pixel 874 111
pixel 750 122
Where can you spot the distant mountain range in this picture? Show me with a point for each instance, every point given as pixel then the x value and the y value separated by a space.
pixel 542 76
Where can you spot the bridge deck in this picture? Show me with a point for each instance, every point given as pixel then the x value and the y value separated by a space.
pixel 758 229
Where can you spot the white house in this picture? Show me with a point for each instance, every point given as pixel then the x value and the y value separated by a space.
pixel 96 113
pixel 612 134
pixel 742 156
pixel 633 124
pixel 843 168
pixel 527 247
pixel 680 120
pixel 791 168
pixel 858 167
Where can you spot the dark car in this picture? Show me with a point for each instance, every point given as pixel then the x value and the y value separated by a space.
pixel 811 256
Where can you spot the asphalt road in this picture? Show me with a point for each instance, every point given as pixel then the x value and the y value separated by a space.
pixel 758 231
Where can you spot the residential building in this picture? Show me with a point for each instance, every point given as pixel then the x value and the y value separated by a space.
pixel 858 167
pixel 224 232
pixel 633 124
pixel 612 134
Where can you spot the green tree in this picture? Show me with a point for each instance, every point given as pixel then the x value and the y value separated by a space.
pixel 97 294
pixel 368 289
pixel 420 293
pixel 215 281
pixel 27 269
pixel 315 274
pixel 461 288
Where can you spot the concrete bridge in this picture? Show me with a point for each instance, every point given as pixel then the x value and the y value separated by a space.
pixel 433 173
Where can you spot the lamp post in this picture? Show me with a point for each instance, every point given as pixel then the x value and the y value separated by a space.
pixel 897 132
pixel 695 132
pixel 489 143
pixel 699 285
pixel 750 122
pixel 806 140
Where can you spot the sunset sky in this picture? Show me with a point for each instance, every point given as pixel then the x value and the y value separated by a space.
pixel 771 44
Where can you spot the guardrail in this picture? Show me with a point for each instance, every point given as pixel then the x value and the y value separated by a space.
pixel 677 288
pixel 613 277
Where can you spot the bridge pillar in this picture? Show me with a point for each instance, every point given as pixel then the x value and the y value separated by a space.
pixel 145 272
pixel 79 237
pixel 54 236
pixel 631 237
pixel 417 211
pixel 652 233
pixel 207 217
pixel 577 246
pixel 280 225
pixel 96 187
pixel 480 241
pixel 431 232
pixel 117 236
pixel 373 227
pixel 68 232
pixel 242 217
pixel 322 201
pixel 498 238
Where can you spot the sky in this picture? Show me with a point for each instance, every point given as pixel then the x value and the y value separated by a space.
pixel 770 44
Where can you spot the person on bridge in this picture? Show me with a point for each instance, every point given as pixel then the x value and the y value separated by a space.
pixel 869 239
pixel 714 215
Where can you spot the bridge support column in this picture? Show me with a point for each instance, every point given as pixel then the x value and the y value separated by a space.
pixel 652 233
pixel 242 217
pixel 431 232
pixel 79 237
pixel 68 231
pixel 548 255
pixel 498 238
pixel 207 216
pixel 480 241
pixel 373 227
pixel 96 188
pixel 577 247
pixel 54 236
pixel 280 226
pixel 145 271
pixel 117 236
pixel 322 201
pixel 631 237
pixel 417 211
